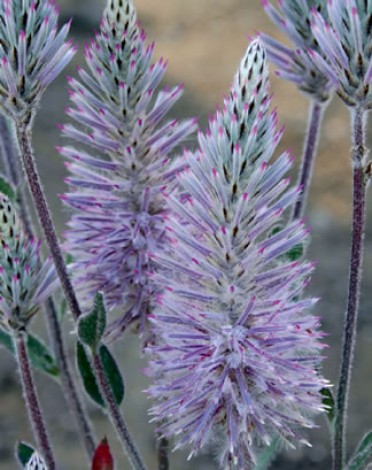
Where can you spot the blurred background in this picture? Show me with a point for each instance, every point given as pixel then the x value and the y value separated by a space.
pixel 204 41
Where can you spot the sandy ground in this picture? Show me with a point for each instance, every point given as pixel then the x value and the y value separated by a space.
pixel 204 40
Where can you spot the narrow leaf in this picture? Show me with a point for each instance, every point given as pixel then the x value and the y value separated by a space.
pixel 113 374
pixel 7 189
pixel 39 354
pixel 267 456
pixel 87 375
pixel 92 326
pixel 329 403
pixel 24 453
pixel 363 454
pixel 295 253
pixel 102 458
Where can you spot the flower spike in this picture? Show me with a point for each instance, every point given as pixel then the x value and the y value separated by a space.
pixel 236 352
pixel 121 167
pixel 32 53
pixel 295 65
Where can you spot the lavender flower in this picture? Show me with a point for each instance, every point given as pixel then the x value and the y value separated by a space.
pixel 32 52
pixel 296 65
pixel 347 44
pixel 116 190
pixel 236 353
pixel 25 281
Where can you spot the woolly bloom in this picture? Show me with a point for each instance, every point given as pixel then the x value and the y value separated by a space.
pixel 347 45
pixel 25 281
pixel 116 191
pixel 236 353
pixel 293 20
pixel 32 52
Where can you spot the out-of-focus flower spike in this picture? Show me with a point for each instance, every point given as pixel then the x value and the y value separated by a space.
pixel 116 188
pixel 25 280
pixel 232 318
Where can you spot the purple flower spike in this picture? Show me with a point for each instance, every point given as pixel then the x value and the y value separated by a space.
pixel 117 188
pixel 347 44
pixel 236 354
pixel 26 281
pixel 295 65
pixel 32 53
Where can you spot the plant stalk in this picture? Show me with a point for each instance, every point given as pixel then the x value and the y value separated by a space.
pixel 355 274
pixel 162 448
pixel 308 157
pixel 116 417
pixel 32 403
pixel 43 212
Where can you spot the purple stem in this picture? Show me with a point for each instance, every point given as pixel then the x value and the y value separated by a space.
pixel 163 447
pixel 45 219
pixel 32 403
pixel 11 167
pixel 117 419
pixel 355 273
pixel 308 156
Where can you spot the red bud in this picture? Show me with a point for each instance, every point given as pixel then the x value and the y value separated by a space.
pixel 102 459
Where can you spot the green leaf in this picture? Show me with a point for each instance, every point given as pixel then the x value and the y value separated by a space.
pixel 363 454
pixel 92 326
pixel 6 188
pixel 39 354
pixel 113 374
pixel 295 253
pixel 329 403
pixel 24 453
pixel 268 455
pixel 87 375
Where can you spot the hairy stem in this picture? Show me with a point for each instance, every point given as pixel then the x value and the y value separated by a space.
pixel 32 403
pixel 45 219
pixel 308 156
pixel 116 417
pixel 355 273
pixel 70 390
pixel 68 385
pixel 12 171
pixel 162 447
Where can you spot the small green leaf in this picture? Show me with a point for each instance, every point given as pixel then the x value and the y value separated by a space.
pixel 113 374
pixel 24 453
pixel 6 188
pixel 92 326
pixel 87 375
pixel 39 354
pixel 295 253
pixel 329 403
pixel 363 454
pixel 267 456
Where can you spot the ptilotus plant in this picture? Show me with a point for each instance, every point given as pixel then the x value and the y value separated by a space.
pixel 120 166
pixel 33 53
pixel 26 281
pixel 237 353
pixel 296 65
pixel 347 42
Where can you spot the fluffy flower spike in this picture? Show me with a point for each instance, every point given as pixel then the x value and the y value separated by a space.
pixel 32 52
pixel 347 44
pixel 25 281
pixel 237 352
pixel 116 187
pixel 293 19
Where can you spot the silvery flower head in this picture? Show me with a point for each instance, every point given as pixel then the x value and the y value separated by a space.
pixel 121 165
pixel 236 350
pixel 293 19
pixel 32 52
pixel 347 45
pixel 25 280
